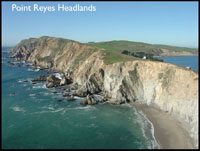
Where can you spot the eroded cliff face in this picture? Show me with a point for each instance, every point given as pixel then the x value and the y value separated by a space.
pixel 169 87
pixel 166 52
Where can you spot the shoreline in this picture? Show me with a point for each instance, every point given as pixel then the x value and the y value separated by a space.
pixel 175 56
pixel 168 131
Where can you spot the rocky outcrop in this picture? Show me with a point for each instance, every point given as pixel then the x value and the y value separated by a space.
pixel 52 81
pixel 90 100
pixel 82 92
pixel 41 78
pixel 168 87
pixel 71 98
pixel 66 94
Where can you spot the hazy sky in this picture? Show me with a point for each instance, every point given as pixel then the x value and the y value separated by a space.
pixel 171 23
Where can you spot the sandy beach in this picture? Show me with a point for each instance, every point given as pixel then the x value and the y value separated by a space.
pixel 168 131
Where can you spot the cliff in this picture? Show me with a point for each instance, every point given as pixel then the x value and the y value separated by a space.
pixel 169 87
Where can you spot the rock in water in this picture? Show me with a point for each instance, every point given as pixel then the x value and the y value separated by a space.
pixel 90 100
pixel 25 81
pixel 66 94
pixel 41 78
pixel 85 102
pixel 81 92
pixel 63 81
pixel 67 89
pixel 70 98
pixel 59 100
pixel 11 64
pixel 52 81
pixel 103 100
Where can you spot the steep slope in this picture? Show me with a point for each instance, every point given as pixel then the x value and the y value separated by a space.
pixel 168 87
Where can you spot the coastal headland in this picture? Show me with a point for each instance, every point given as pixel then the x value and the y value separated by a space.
pixel 92 69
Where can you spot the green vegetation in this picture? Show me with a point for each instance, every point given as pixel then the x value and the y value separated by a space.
pixel 175 48
pixel 113 57
pixel 113 51
pixel 121 45
pixel 105 47
pixel 83 56
pixel 141 55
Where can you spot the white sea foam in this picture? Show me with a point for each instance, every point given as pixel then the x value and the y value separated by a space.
pixel 87 108
pixel 20 80
pixel 45 93
pixel 126 105
pixel 36 70
pixel 39 86
pixel 76 97
pixel 29 69
pixel 58 110
pixel 51 110
pixel 40 112
pixel 58 75
pixel 24 85
pixel 31 94
pixel 92 125
pixel 16 62
pixel 50 107
pixel 144 123
pixel 17 109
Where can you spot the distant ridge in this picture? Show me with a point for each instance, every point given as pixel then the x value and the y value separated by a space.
pixel 155 49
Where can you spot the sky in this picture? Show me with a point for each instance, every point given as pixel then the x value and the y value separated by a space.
pixel 170 23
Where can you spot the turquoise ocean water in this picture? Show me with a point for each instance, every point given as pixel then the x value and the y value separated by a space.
pixel 33 119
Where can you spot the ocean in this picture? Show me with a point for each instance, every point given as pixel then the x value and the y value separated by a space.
pixel 32 118
pixel 184 61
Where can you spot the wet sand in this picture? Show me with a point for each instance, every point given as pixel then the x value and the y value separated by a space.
pixel 168 131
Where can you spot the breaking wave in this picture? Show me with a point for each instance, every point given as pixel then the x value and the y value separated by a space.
pixel 152 143
pixel 17 109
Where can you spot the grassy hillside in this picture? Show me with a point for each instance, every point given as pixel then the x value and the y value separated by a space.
pixel 121 45
pixel 112 50
pixel 113 57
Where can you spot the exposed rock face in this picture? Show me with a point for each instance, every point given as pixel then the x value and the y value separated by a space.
pixel 90 100
pixel 168 87
pixel 74 86
pixel 166 52
pixel 65 81
pixel 70 98
pixel 52 81
pixel 82 92
pixel 41 78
